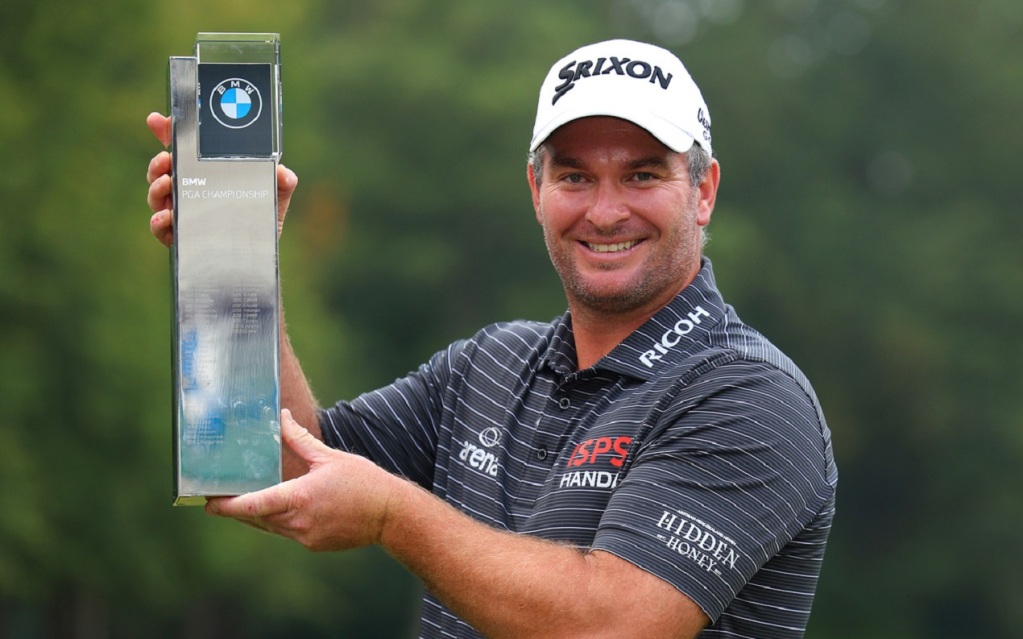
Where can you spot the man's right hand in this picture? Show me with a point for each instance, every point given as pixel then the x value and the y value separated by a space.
pixel 161 224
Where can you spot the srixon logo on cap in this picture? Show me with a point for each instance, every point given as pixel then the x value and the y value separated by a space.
pixel 574 71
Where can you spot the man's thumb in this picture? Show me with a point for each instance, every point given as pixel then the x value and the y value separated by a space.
pixel 299 439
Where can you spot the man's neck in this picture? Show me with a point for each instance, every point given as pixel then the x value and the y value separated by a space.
pixel 597 333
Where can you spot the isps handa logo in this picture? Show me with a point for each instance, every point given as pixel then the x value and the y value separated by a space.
pixel 595 463
pixel 236 103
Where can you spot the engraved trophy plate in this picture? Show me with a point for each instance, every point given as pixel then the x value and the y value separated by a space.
pixel 225 112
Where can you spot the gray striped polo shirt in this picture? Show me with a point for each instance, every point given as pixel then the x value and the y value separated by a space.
pixel 695 450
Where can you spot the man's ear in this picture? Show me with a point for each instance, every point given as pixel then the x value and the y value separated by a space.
pixel 708 188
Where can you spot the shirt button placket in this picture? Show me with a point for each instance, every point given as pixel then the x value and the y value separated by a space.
pixel 564 404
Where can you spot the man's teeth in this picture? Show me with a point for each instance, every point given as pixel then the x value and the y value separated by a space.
pixel 611 248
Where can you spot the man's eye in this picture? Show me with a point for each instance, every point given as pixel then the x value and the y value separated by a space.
pixel 643 177
pixel 573 178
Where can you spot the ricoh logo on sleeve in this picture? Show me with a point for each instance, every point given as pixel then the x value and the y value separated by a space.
pixel 697 541
pixel 673 336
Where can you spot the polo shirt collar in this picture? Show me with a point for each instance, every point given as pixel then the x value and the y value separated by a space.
pixel 674 333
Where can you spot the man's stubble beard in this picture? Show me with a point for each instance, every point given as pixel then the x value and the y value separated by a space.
pixel 662 273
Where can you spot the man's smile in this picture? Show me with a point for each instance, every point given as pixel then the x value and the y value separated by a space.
pixel 611 248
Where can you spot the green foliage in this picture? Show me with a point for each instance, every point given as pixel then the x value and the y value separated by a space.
pixel 867 223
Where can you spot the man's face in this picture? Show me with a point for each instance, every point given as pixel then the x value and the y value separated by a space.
pixel 620 217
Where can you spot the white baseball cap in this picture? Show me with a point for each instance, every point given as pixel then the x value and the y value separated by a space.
pixel 638 82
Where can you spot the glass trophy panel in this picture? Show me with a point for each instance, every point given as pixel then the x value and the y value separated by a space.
pixel 225 114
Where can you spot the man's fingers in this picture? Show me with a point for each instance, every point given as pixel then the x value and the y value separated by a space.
pixel 159 195
pixel 160 125
pixel 287 181
pixel 159 166
pixel 162 227
pixel 252 507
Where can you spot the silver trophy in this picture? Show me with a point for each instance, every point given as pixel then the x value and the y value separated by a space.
pixel 225 105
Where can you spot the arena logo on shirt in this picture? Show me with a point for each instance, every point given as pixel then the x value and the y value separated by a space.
pixel 673 336
pixel 598 451
pixel 697 541
pixel 480 458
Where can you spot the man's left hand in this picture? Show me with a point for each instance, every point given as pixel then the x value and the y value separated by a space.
pixel 341 503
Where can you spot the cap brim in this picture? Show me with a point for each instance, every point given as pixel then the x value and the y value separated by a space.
pixel 667 133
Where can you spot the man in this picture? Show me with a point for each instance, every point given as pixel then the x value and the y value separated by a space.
pixel 644 466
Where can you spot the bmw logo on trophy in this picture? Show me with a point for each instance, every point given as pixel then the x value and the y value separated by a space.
pixel 237 103
pixel 225 105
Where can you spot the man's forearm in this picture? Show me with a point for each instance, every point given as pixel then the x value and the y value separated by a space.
pixel 512 585
pixel 505 585
pixel 296 396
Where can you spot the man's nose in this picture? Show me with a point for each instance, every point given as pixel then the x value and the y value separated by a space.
pixel 609 206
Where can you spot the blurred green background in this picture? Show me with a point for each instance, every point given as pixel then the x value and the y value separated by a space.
pixel 868 222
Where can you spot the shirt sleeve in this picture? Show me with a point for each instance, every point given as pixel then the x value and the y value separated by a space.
pixel 733 471
pixel 395 426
